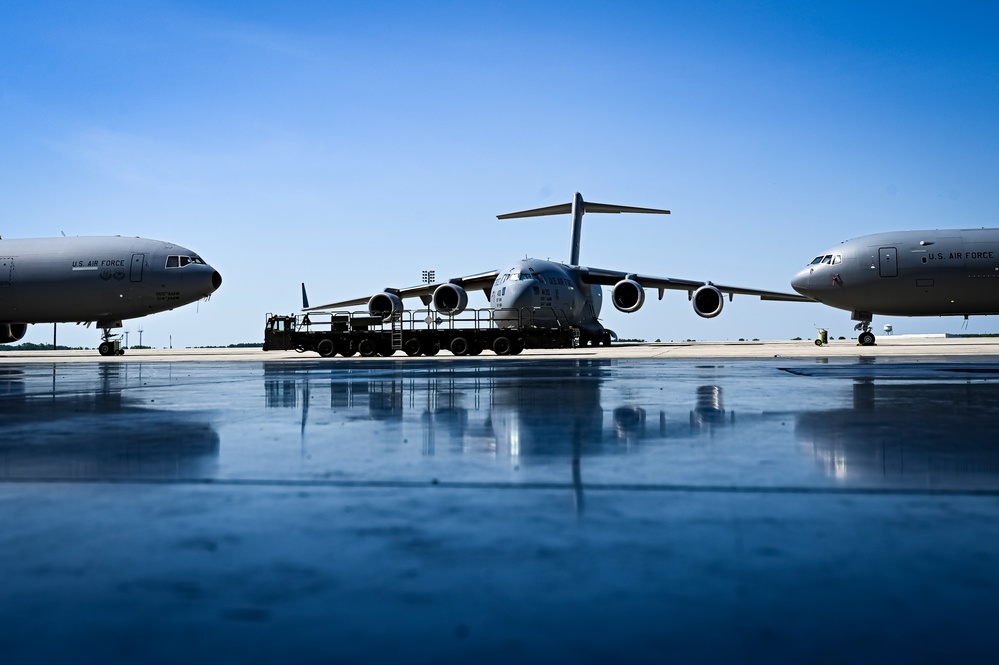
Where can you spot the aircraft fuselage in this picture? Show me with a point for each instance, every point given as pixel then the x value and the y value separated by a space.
pixel 908 273
pixel 553 292
pixel 103 279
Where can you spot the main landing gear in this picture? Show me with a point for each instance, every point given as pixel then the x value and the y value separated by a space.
pixel 110 346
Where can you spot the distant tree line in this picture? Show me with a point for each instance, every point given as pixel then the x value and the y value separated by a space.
pixel 30 346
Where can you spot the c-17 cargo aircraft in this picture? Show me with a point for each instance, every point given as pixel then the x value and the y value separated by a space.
pixel 557 294
pixel 96 279
pixel 943 272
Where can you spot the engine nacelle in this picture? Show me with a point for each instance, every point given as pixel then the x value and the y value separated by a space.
pixel 384 305
pixel 707 301
pixel 628 296
pixel 12 332
pixel 450 299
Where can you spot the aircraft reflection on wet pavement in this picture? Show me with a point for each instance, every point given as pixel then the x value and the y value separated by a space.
pixel 512 411
pixel 95 431
pixel 882 435
pixel 525 413
pixel 910 434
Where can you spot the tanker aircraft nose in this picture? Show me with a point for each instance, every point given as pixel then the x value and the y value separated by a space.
pixel 216 280
pixel 800 282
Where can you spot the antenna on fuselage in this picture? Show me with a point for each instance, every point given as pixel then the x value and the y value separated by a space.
pixel 577 207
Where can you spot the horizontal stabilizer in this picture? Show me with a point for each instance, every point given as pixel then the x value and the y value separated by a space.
pixel 566 208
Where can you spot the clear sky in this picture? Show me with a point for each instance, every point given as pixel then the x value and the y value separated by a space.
pixel 351 145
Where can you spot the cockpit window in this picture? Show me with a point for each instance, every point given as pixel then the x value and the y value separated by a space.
pixel 175 261
pixel 837 259
pixel 827 259
pixel 816 260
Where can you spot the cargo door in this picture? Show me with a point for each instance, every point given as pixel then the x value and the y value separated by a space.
pixel 6 270
pixel 888 261
pixel 137 261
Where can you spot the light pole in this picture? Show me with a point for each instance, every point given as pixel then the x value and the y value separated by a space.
pixel 428 278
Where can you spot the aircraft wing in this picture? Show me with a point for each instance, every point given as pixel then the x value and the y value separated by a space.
pixel 611 277
pixel 424 292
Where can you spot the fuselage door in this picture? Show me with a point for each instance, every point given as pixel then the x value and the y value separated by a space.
pixel 888 259
pixel 137 261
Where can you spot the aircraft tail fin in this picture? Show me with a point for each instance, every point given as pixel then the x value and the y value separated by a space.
pixel 577 207
pixel 305 297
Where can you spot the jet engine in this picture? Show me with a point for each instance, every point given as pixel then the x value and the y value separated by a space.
pixel 707 301
pixel 11 332
pixel 384 304
pixel 628 296
pixel 450 299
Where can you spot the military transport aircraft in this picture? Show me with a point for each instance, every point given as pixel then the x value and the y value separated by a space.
pixel 96 279
pixel 557 294
pixel 909 273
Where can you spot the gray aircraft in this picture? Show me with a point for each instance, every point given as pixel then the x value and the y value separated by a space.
pixel 557 294
pixel 96 279
pixel 909 273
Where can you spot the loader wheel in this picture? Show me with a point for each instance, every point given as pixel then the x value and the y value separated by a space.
pixel 326 348
pixel 411 346
pixel 502 346
pixel 367 348
pixel 459 346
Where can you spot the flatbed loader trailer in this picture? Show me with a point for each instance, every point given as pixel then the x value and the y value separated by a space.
pixel 414 333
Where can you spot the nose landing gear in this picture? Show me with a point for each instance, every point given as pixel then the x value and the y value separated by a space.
pixel 111 346
pixel 866 337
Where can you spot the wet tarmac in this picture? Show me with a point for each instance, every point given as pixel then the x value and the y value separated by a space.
pixel 570 510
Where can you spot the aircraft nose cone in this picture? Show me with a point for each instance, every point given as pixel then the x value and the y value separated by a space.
pixel 519 296
pixel 800 282
pixel 216 281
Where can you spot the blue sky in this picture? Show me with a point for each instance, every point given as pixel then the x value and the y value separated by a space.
pixel 352 145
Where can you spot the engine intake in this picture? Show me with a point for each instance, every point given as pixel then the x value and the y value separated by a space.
pixel 384 305
pixel 707 301
pixel 450 299
pixel 12 332
pixel 628 296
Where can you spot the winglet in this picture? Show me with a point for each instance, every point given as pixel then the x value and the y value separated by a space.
pixel 305 297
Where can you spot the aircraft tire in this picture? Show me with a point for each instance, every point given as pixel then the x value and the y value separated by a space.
pixel 502 346
pixel 459 346
pixel 411 346
pixel 605 338
pixel 367 347
pixel 106 349
pixel 326 348
pixel 866 338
